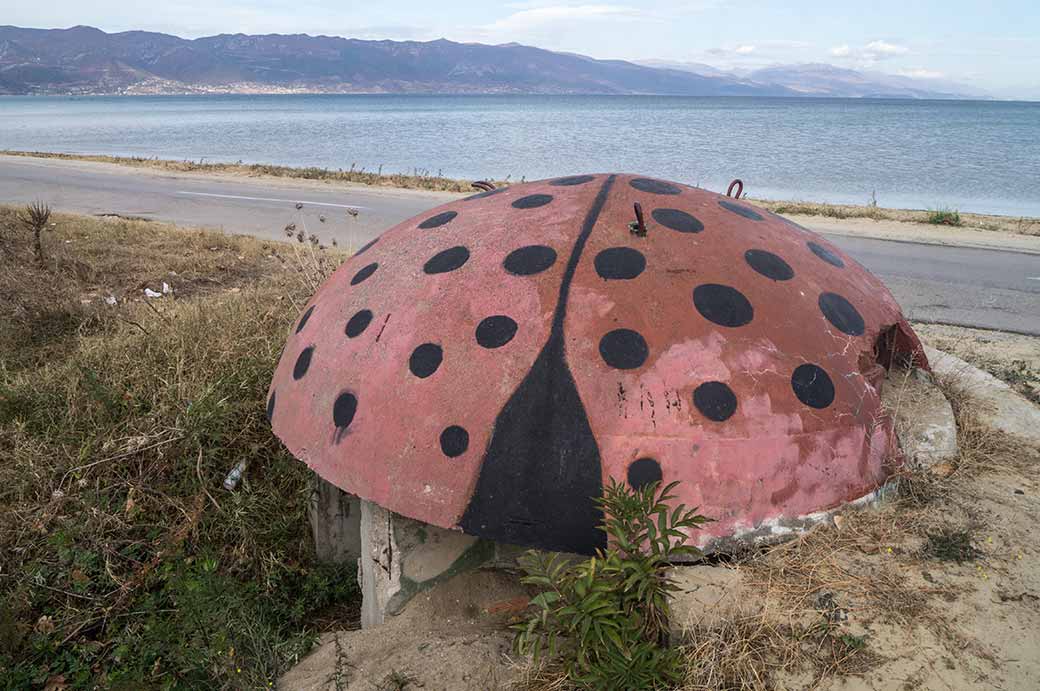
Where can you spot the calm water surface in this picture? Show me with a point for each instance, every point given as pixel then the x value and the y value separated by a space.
pixel 970 155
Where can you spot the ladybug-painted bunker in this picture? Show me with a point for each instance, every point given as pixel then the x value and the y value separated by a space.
pixel 489 365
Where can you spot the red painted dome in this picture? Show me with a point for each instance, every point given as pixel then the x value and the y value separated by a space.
pixel 489 364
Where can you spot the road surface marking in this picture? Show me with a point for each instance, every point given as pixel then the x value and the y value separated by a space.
pixel 1033 278
pixel 268 199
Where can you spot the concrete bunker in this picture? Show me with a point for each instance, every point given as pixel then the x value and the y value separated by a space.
pixel 477 373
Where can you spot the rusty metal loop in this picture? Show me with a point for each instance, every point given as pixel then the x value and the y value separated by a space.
pixel 484 185
pixel 638 226
pixel 739 184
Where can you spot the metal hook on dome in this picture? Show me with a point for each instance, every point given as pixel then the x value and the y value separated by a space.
pixel 739 184
pixel 638 226
pixel 484 185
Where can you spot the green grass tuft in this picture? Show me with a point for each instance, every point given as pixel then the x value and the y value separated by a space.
pixel 945 217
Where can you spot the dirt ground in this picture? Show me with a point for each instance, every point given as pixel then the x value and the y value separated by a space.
pixel 1014 358
pixel 938 588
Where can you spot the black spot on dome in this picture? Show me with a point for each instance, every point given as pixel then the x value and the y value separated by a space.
pixel 487 193
pixel 623 349
pixel 722 305
pixel 304 318
pixel 813 386
pixel 715 401
pixel 619 263
pixel 654 186
pixel 364 273
pixel 448 260
pixel 366 246
pixel 438 220
pixel 826 255
pixel 532 201
pixel 454 441
pixel 303 363
pixel 270 407
pixel 572 180
pixel 496 331
pixel 343 409
pixel 358 323
pixel 643 472
pixel 769 265
pixel 677 220
pixel 529 260
pixel 841 313
pixel 425 360
pixel 740 210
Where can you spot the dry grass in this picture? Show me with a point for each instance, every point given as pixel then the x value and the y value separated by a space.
pixel 123 561
pixel 90 263
pixel 1021 225
pixel 418 179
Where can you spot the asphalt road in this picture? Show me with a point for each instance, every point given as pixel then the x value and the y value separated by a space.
pixel 983 288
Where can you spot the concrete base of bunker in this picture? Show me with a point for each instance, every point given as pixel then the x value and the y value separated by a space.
pixel 401 557
pixel 335 518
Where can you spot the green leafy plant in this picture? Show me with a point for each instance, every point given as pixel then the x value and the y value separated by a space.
pixel 945 217
pixel 606 619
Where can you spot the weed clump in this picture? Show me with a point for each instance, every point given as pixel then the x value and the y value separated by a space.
pixel 945 217
pixel 606 619
pixel 950 544
pixel 36 217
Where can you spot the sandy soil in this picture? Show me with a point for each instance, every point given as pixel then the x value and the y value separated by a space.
pixel 451 637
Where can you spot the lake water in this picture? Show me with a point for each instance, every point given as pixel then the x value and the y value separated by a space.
pixel 969 155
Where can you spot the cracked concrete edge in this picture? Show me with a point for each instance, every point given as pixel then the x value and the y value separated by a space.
pixel 780 529
pixel 1000 406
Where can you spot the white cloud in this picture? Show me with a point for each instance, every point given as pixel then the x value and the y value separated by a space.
pixel 537 17
pixel 744 50
pixel 922 74
pixel 870 53
pixel 884 48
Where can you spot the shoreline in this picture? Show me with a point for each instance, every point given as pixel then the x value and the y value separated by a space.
pixel 935 220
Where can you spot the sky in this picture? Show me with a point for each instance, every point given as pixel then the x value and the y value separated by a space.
pixel 992 46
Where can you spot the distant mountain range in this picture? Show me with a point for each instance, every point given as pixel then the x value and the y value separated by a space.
pixel 85 60
pixel 816 79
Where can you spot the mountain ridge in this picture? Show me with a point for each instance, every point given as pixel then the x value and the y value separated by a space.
pixel 86 60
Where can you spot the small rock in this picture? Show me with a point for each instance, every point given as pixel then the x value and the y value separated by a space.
pixel 1018 491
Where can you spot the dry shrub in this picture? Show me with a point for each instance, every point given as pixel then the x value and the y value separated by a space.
pixel 982 449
